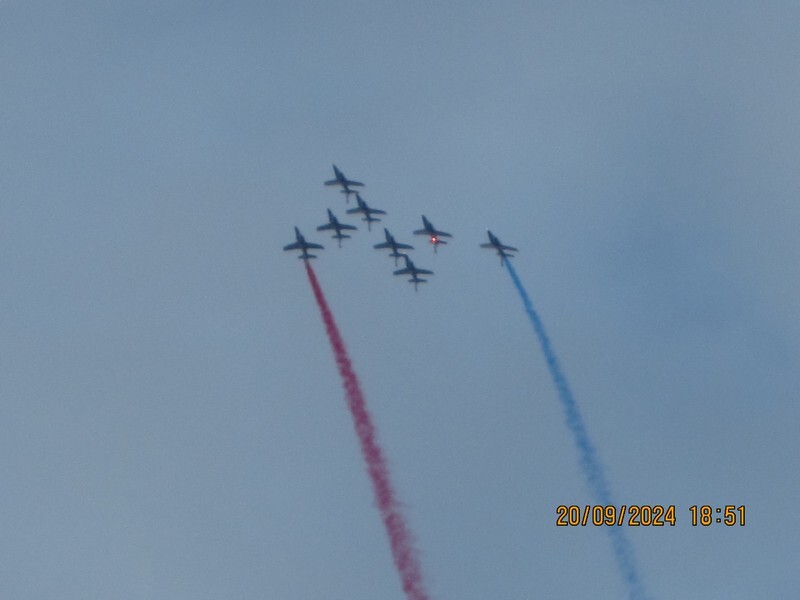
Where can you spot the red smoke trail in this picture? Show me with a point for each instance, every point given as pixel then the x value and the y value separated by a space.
pixel 405 558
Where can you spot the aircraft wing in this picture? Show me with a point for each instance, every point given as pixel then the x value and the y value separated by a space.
pixel 293 246
pixel 500 247
pixel 327 226
pixel 348 227
pixel 413 272
pixel 345 182
pixel 311 246
pixel 432 232
pixel 394 246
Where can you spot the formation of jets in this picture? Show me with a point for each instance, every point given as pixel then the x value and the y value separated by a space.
pixel 434 235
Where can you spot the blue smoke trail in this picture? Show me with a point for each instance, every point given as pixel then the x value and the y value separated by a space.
pixel 598 486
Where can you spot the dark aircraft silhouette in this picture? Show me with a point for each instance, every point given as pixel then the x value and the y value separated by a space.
pixel 344 182
pixel 502 249
pixel 333 223
pixel 364 209
pixel 410 269
pixel 393 245
pixel 433 234
pixel 302 245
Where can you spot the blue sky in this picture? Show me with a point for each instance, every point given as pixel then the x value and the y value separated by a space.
pixel 173 422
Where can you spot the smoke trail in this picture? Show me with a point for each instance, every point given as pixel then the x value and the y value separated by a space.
pixel 598 486
pixel 403 552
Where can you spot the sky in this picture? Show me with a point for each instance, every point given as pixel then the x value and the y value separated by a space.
pixel 173 424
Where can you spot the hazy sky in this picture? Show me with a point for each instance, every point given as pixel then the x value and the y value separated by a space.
pixel 173 424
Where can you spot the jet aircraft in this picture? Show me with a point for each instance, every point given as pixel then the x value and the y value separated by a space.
pixel 344 182
pixel 433 234
pixel 502 249
pixel 366 210
pixel 412 270
pixel 333 223
pixel 302 245
pixel 393 245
